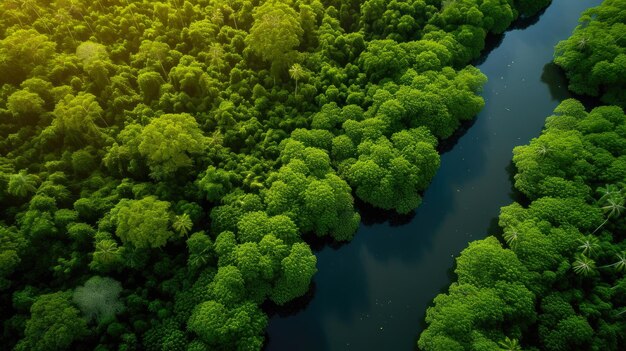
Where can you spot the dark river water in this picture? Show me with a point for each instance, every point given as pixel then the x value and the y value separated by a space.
pixel 372 293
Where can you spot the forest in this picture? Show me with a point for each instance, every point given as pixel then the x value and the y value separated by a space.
pixel 165 165
pixel 553 277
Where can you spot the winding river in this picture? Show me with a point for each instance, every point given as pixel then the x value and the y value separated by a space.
pixel 372 293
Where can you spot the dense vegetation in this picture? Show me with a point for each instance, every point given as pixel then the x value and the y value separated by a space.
pixel 594 57
pixel 554 278
pixel 160 161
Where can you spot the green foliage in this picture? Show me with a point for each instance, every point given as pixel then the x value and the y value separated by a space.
pixel 564 257
pixel 200 249
pixel 218 325
pixel 21 184
pixel 307 192
pixel 11 247
pixel 182 224
pixel 389 174
pixel 142 223
pixel 128 125
pixel 99 298
pixel 54 324
pixel 77 119
pixel 25 105
pixel 275 33
pixel 168 143
pixel 594 56
pixel 297 270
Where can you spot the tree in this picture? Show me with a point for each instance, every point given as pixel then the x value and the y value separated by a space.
pixel 150 85
pixel 142 223
pixel 614 205
pixel 95 60
pixel 168 142
pixel 296 72
pixel 389 173
pixel 216 182
pixel 99 298
pixel 511 236
pixel 584 265
pixel 25 105
pixel 22 184
pixel 297 270
pixel 620 265
pixel 589 245
pixel 182 224
pixel 485 262
pixel 153 52
pixel 238 327
pixel 275 33
pixel 200 249
pixel 76 118
pixel 106 253
pixel 593 56
pixel 208 321
pixel 293 193
pixel 21 51
pixel 509 345
pixel 12 245
pixel 383 58
pixel 54 324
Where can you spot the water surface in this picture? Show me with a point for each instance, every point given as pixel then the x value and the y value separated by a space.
pixel 372 293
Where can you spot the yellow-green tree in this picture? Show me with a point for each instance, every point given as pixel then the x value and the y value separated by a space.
pixel 275 34
pixel 169 142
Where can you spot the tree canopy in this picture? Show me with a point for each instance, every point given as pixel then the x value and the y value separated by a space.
pixel 556 268
pixel 163 162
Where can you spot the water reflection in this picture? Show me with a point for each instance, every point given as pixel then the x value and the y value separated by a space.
pixel 554 77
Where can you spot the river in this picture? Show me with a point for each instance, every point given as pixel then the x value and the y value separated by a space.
pixel 372 293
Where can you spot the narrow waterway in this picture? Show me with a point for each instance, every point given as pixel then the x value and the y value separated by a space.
pixel 372 293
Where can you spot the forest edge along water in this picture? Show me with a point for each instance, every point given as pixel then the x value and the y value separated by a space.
pixel 372 293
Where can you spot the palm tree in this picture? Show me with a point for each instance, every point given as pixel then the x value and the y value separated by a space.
pixel 229 7
pixel 511 237
pixel 180 17
pixel 620 265
pixel 21 184
pixel 201 258
pixel 509 345
pixel 64 17
pixel 182 224
pixel 584 265
pixel 106 251
pixel 608 191
pixel 543 149
pixel 16 17
pixel 132 14
pixel 217 18
pixel 216 52
pixel 614 206
pixel 296 72
pixel 589 245
pixel 33 6
pixel 77 9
